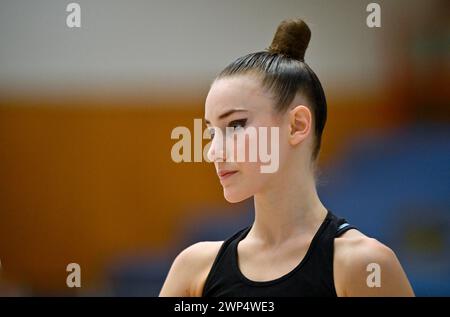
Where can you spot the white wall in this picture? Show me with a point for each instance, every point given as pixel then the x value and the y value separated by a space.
pixel 167 43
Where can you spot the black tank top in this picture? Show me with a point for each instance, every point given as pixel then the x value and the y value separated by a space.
pixel 313 276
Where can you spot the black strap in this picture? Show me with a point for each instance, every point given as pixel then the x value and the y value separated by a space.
pixel 344 227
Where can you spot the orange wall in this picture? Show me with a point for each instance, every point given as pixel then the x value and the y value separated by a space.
pixel 86 179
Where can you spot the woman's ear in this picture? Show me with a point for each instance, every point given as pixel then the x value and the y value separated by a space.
pixel 300 121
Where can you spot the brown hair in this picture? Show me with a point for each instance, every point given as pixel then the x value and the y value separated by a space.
pixel 285 73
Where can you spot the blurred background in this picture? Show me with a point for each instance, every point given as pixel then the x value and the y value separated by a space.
pixel 86 116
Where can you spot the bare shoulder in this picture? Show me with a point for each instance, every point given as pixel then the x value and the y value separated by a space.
pixel 363 266
pixel 190 268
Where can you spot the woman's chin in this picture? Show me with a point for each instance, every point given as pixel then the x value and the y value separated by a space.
pixel 234 196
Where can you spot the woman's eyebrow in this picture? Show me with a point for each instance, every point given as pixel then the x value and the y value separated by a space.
pixel 227 113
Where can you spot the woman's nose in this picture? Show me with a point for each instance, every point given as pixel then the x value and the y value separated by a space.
pixel 216 152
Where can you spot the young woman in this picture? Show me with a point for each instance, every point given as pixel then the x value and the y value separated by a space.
pixel 295 246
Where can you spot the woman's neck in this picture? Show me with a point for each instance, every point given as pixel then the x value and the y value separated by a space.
pixel 288 208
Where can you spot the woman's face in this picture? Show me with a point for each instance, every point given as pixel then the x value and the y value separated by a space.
pixel 241 103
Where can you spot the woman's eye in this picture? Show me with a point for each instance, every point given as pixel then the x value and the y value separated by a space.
pixel 236 124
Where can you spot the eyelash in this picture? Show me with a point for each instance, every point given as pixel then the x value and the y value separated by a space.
pixel 234 123
pixel 241 121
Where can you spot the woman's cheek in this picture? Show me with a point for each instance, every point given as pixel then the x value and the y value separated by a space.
pixel 240 154
pixel 241 150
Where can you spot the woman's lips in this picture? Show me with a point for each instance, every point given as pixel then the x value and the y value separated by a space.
pixel 226 174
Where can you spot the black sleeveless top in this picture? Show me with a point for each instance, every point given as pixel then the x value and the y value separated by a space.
pixel 313 276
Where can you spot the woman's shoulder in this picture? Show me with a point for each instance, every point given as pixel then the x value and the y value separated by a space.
pixel 353 246
pixel 366 267
pixel 190 269
pixel 200 254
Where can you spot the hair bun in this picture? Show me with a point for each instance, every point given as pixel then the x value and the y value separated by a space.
pixel 291 39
